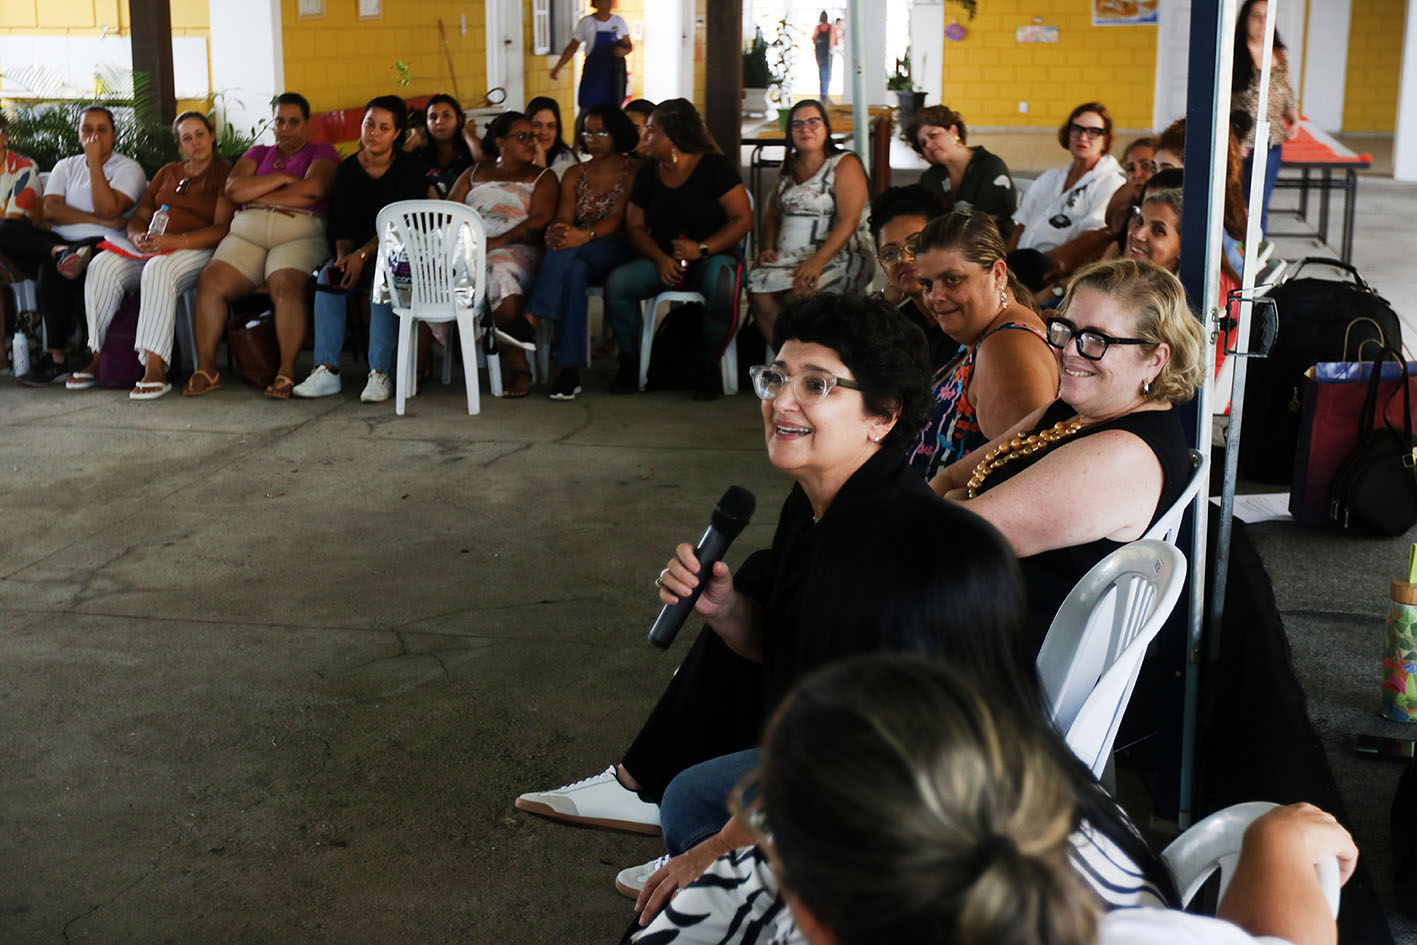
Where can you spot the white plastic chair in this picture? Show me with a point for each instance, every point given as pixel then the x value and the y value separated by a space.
pixel 1092 655
pixel 1214 844
pixel 1169 524
pixel 445 244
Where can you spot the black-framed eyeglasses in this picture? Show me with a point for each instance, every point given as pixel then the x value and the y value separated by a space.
pixel 894 254
pixel 1091 343
pixel 802 124
pixel 522 136
pixel 1088 130
pixel 809 387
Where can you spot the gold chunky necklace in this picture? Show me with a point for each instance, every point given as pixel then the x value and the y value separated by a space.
pixel 1021 445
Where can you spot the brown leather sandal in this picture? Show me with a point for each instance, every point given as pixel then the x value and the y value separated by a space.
pixel 281 387
pixel 210 382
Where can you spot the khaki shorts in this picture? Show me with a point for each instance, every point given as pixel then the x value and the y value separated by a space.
pixel 264 240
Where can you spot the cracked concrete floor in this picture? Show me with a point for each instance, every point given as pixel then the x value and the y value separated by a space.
pixel 274 672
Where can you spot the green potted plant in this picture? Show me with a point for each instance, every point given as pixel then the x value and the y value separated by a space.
pixel 908 100
pixel 757 76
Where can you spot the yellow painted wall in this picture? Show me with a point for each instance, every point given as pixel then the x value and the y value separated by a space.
pixel 700 48
pixel 987 73
pixel 536 76
pixel 1374 65
pixel 339 61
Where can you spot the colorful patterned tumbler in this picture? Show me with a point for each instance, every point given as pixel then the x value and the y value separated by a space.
pixel 1400 650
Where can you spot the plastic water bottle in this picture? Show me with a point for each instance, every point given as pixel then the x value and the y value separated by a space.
pixel 158 226
pixel 20 354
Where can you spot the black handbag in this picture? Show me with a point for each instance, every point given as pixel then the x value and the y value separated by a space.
pixel 1376 486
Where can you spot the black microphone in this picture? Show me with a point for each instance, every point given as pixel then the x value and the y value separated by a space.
pixel 730 517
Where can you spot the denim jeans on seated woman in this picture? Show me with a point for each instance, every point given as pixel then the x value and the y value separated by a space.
pixel 695 805
pixel 718 277
pixel 331 315
pixel 560 287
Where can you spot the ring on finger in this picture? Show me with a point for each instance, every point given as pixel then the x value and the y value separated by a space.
pixel 659 581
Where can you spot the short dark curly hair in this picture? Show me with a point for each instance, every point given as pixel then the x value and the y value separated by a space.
pixel 917 200
pixel 884 350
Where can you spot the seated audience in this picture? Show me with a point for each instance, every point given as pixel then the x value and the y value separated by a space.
pixel 811 234
pixel 585 243
pixel 439 144
pixel 900 801
pixel 1155 233
pixel 277 239
pixel 1061 222
pixel 19 210
pixel 544 113
pixel 638 112
pixel 688 210
pixel 1128 351
pixel 87 198
pixel 1004 369
pixel 843 400
pixel 968 178
pixel 193 192
pixel 1169 179
pixel 1138 163
pixel 898 215
pixel 378 174
pixel 1171 154
pixel 516 200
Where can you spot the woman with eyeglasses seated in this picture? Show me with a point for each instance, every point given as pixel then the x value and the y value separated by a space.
pixel 1062 221
pixel 843 400
pixel 811 233
pixel 516 200
pixel 898 215
pixel 162 265
pixel 968 178
pixel 1095 469
pixel 899 800
pixel 1004 369
pixel 688 210
pixel 585 243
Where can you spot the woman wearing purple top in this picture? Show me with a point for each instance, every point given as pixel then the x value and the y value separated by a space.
pixel 276 238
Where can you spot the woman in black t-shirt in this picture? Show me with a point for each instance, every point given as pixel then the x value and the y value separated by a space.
pixel 688 209
pixel 439 144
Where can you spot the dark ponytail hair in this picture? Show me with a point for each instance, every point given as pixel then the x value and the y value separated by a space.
pixel 395 107
pixel 498 128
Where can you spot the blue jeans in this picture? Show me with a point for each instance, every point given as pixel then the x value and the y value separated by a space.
pixel 1271 174
pixel 824 73
pixel 559 292
pixel 717 277
pixel 695 805
pixel 331 316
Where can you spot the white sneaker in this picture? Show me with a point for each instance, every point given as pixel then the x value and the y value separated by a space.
pixel 377 389
pixel 630 881
pixel 322 382
pixel 601 801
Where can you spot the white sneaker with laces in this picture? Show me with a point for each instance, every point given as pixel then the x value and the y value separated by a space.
pixel 322 382
pixel 599 801
pixel 377 389
pixel 630 881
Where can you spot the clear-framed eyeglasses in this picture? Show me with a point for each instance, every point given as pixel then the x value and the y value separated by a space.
pixel 809 387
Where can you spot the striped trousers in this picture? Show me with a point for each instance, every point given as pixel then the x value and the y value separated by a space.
pixel 159 281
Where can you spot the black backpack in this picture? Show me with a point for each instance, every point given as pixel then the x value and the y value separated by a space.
pixel 1314 317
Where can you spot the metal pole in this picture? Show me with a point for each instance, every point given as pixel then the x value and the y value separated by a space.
pixel 1207 144
pixel 1259 159
pixel 860 114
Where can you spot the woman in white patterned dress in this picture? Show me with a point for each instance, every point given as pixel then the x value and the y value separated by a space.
pixel 811 236
pixel 516 200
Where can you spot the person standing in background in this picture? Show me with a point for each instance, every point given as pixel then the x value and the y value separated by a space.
pixel 822 42
pixel 606 38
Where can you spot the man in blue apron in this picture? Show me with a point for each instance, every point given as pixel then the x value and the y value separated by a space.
pixel 607 40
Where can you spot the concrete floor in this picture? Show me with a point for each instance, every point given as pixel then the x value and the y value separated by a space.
pixel 274 672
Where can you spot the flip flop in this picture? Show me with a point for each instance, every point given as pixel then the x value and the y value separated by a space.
pixel 508 393
pixel 80 380
pixel 281 388
pixel 213 383
pixel 149 390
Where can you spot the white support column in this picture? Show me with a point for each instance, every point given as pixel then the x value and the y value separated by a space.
pixel 1404 144
pixel 1326 63
pixel 927 48
pixel 248 59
